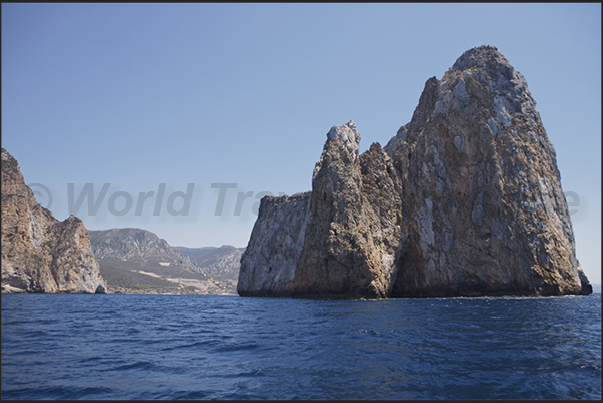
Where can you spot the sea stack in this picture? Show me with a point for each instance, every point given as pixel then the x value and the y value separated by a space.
pixel 465 200
pixel 40 253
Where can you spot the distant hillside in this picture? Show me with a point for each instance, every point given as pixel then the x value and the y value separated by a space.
pixel 134 244
pixel 221 263
pixel 135 260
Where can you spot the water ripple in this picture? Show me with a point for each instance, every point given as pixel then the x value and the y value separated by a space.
pixel 226 347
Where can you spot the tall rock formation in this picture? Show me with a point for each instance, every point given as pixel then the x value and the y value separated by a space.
pixel 40 253
pixel 269 264
pixel 465 200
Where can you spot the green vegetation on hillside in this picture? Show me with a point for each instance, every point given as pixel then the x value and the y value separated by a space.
pixel 153 266
pixel 118 277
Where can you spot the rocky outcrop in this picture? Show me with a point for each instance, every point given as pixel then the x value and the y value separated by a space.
pixel 40 253
pixel 486 212
pixel 465 200
pixel 353 235
pixel 271 258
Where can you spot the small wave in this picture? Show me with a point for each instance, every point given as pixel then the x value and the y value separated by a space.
pixel 59 393
pixel 245 374
pixel 136 366
pixel 242 347
pixel 183 395
pixel 286 349
pixel 192 345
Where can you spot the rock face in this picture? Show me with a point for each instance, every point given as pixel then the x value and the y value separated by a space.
pixel 465 200
pixel 40 253
pixel 269 264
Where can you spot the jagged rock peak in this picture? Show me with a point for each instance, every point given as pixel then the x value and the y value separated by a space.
pixel 491 69
pixel 342 142
pixel 346 133
pixel 348 136
pixel 482 79
pixel 480 57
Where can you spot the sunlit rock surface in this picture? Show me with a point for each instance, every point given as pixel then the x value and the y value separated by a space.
pixel 465 200
pixel 40 253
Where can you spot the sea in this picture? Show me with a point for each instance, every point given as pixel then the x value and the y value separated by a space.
pixel 196 347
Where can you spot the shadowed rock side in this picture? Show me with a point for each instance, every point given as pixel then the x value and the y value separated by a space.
pixel 273 252
pixel 40 253
pixel 465 200
pixel 354 231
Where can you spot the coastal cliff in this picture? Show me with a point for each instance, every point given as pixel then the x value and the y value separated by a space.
pixel 272 256
pixel 465 200
pixel 40 253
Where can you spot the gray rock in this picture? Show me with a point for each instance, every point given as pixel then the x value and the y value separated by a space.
pixel 270 260
pixel 466 199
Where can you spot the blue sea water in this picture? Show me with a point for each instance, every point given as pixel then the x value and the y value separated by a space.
pixel 62 346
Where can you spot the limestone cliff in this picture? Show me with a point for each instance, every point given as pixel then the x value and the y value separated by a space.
pixel 353 234
pixel 486 212
pixel 269 263
pixel 40 253
pixel 466 199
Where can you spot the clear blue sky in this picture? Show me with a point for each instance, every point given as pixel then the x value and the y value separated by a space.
pixel 139 95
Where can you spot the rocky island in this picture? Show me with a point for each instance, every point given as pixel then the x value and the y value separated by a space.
pixel 465 200
pixel 40 253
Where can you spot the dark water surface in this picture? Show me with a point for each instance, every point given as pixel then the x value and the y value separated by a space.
pixel 227 347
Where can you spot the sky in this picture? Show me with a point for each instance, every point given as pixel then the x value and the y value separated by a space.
pixel 178 118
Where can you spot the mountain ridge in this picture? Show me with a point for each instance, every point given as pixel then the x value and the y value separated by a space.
pixel 137 260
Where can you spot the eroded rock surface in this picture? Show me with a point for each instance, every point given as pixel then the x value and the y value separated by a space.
pixel 466 200
pixel 353 234
pixel 273 253
pixel 40 253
